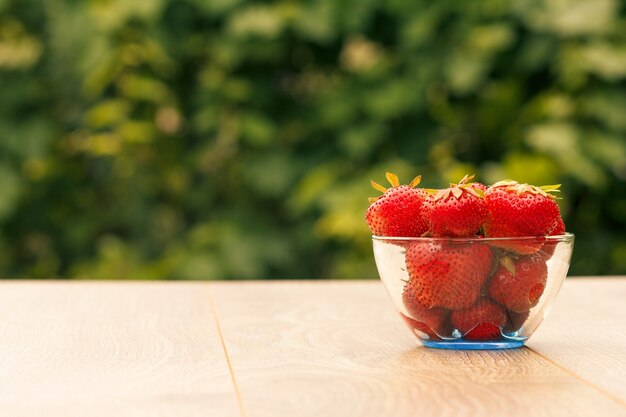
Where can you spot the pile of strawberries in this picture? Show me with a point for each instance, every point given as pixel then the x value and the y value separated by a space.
pixel 478 288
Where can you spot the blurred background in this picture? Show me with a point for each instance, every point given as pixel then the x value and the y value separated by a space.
pixel 232 139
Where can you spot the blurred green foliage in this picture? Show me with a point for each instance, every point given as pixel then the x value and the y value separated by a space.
pixel 210 139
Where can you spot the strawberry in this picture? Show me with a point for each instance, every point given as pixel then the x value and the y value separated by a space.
pixel 447 274
pixel 457 211
pixel 520 210
pixel 559 229
pixel 398 212
pixel 548 248
pixel 515 321
pixel 478 186
pixel 482 321
pixel 518 285
pixel 430 321
pixel 420 329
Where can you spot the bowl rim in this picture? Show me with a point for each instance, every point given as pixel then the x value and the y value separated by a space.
pixel 566 237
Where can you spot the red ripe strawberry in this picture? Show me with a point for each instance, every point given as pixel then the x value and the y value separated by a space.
pixel 515 321
pixel 446 274
pixel 419 328
pixel 520 210
pixel 482 321
pixel 458 211
pixel 519 284
pixel 559 229
pixel 548 248
pixel 398 212
pixel 430 322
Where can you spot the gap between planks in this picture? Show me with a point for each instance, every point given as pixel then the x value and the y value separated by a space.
pixel 233 378
pixel 537 353
pixel 578 377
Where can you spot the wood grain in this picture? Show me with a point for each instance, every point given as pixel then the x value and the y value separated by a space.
pixel 586 332
pixel 338 349
pixel 111 349
pixel 292 349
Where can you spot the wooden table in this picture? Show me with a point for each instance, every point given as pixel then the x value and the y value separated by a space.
pixel 293 349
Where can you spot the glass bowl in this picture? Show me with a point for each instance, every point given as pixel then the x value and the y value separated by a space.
pixel 473 293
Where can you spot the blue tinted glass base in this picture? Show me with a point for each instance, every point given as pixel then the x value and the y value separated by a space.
pixel 469 345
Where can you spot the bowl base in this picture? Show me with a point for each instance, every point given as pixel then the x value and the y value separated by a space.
pixel 474 345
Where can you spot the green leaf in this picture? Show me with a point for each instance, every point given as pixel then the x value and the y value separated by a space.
pixel 11 187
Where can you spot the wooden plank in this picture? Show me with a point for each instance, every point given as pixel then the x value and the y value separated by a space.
pixel 339 349
pixel 111 349
pixel 586 332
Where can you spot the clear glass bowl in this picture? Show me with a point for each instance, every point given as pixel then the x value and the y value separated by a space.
pixel 473 293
